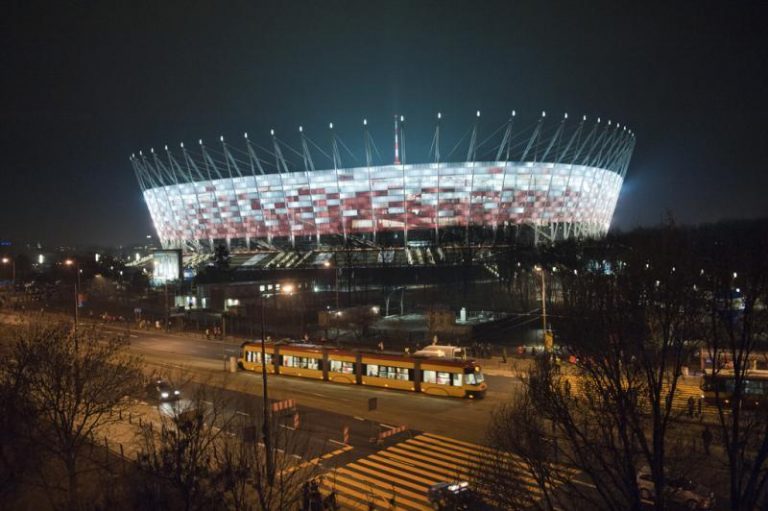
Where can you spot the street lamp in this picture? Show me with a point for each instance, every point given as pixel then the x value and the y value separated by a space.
pixel 547 343
pixel 327 264
pixel 12 262
pixel 286 289
pixel 74 262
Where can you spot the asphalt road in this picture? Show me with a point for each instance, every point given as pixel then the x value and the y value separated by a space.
pixel 463 419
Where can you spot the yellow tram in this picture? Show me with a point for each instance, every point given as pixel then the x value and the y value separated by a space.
pixel 433 376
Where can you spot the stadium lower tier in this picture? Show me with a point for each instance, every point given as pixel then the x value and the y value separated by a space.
pixel 393 198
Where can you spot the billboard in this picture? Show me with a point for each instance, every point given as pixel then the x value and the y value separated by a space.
pixel 166 266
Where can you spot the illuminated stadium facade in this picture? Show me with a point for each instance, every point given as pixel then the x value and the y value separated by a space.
pixel 556 180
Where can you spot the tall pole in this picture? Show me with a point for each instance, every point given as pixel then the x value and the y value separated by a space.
pixel 544 304
pixel 77 292
pixel 266 428
pixel 76 265
pixel 11 260
pixel 167 318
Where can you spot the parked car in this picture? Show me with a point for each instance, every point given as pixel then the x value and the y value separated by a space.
pixel 161 390
pixel 458 496
pixel 679 490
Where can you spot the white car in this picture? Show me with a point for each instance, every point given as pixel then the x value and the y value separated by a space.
pixel 679 490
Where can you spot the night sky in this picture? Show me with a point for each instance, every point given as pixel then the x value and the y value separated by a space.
pixel 85 84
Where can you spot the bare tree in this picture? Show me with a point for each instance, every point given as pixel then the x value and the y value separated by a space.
pixel 178 452
pixel 242 467
pixel 628 320
pixel 206 455
pixel 736 278
pixel 18 452
pixel 523 449
pixel 76 382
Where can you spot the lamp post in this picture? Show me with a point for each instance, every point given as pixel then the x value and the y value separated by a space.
pixel 12 262
pixel 74 262
pixel 337 270
pixel 545 337
pixel 266 429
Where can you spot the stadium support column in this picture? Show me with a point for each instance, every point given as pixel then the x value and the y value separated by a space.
pixel 568 197
pixel 552 142
pixel 309 167
pixel 282 167
pixel 504 149
pixel 368 161
pixel 336 164
pixel 235 198
pixel 577 230
pixel 255 163
pixel 190 163
pixel 400 135
pixel 471 156
pixel 437 190
pixel 528 147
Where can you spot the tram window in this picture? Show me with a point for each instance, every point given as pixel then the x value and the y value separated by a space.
pixel 301 362
pixel 456 379
pixel 429 376
pixel 338 366
pixel 372 370
pixel 255 357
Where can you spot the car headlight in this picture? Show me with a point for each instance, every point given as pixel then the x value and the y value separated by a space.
pixel 176 392
pixel 164 395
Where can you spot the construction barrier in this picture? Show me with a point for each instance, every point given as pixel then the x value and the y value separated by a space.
pixel 390 432
pixel 283 405
pixel 345 434
pixel 296 420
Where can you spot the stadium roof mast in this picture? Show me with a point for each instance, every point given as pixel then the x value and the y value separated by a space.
pixel 255 163
pixel 400 148
pixel 282 168
pixel 437 162
pixel 504 149
pixel 336 164
pixel 397 143
pixel 309 166
pixel 472 156
pixel 368 163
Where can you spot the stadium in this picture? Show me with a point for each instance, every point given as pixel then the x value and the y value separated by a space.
pixel 549 180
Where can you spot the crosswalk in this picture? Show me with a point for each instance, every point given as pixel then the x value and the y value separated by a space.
pixel 399 476
pixel 683 392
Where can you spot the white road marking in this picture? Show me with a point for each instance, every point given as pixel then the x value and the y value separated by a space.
pixel 336 442
pixel 238 412
pixel 359 418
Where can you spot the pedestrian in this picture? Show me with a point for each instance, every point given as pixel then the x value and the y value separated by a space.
pixel 381 346
pixel 691 404
pixel 699 407
pixel 706 439
pixel 305 497
pixel 208 333
pixel 330 501
pixel 567 389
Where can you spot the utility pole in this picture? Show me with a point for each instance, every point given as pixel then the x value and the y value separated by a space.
pixel 266 429
pixel 74 262
pixel 167 313
pixel 546 336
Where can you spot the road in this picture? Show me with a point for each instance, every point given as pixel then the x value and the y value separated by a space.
pixel 462 419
